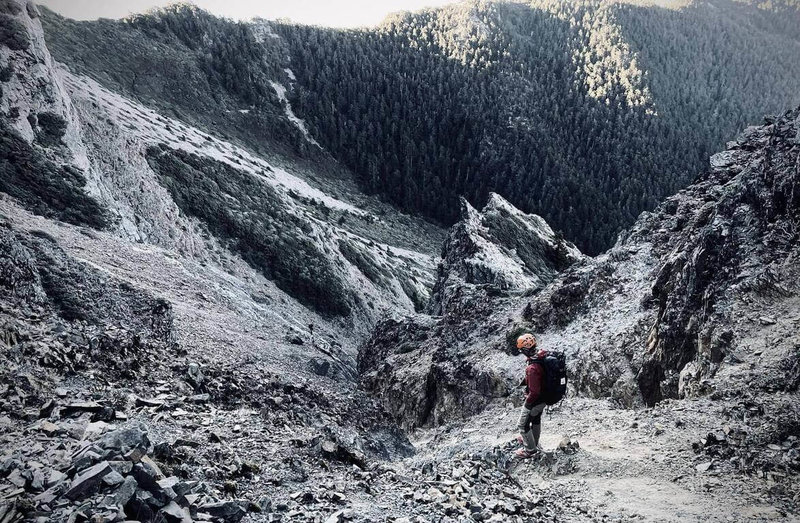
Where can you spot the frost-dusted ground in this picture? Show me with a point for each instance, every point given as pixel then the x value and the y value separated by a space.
pixel 632 464
pixel 287 107
pixel 151 127
pixel 227 309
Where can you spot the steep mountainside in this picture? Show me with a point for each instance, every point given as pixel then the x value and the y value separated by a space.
pixel 187 63
pixel 699 298
pixel 573 110
pixel 151 270
pixel 693 313
pixel 193 316
pixel 159 180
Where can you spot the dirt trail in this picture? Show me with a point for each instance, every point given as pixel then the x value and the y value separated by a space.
pixel 632 464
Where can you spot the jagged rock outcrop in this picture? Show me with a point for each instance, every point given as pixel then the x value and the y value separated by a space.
pixel 41 156
pixel 423 375
pixel 698 297
pixel 737 245
pixel 687 289
pixel 500 249
pixel 33 101
pixel 425 368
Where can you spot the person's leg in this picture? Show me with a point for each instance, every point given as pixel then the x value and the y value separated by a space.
pixel 536 422
pixel 524 427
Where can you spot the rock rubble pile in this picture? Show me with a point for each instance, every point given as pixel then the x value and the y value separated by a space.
pixel 482 486
pixel 103 476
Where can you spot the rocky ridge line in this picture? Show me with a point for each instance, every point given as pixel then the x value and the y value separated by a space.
pixel 658 316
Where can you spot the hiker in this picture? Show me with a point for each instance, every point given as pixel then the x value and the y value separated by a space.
pixel 530 420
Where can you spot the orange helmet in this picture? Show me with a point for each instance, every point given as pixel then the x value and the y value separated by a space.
pixel 526 342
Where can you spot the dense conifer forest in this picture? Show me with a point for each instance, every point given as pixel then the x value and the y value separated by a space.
pixel 584 112
pixel 587 113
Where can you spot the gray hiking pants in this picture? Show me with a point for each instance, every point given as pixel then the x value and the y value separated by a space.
pixel 530 425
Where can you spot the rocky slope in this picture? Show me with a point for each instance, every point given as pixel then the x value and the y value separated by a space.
pixel 698 299
pixel 228 78
pixel 717 262
pixel 423 366
pixel 87 155
pixel 154 273
pixel 180 316
pixel 499 248
pixel 689 324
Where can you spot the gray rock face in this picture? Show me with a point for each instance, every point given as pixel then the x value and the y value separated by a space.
pixel 664 313
pixel 661 313
pixel 423 367
pixel 226 510
pixel 126 440
pixel 35 91
pixel 501 249
pixel 415 367
pixel 718 248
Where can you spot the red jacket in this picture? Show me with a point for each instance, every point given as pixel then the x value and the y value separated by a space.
pixel 534 382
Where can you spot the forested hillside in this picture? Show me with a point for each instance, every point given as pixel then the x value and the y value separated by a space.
pixel 572 110
pixel 586 112
pixel 205 318
pixel 187 63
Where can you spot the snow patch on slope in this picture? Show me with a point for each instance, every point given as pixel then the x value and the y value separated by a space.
pixel 287 107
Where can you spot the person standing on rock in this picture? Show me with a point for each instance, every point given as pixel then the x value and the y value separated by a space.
pixel 530 420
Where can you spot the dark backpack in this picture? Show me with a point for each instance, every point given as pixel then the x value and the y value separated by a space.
pixel 555 376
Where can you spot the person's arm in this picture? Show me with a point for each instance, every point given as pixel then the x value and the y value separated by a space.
pixel 533 377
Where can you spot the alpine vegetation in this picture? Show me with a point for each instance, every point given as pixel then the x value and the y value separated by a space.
pixel 493 261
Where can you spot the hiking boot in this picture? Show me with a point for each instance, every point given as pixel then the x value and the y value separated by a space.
pixel 525 453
